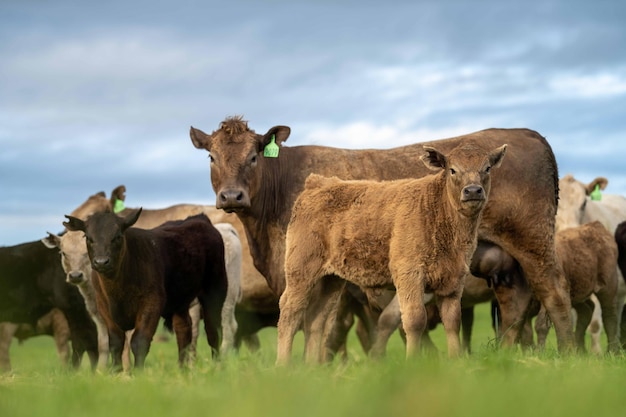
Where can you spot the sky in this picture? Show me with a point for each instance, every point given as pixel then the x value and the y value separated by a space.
pixel 98 94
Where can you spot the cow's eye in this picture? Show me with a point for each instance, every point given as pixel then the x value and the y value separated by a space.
pixel 253 160
pixel 452 171
pixel 211 158
pixel 488 169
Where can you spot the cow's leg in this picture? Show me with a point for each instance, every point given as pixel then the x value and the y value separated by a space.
pixel 595 326
pixel 103 342
pixel 61 334
pixel 336 342
pixel 212 316
pixel 513 303
pixel 195 312
pixel 181 322
pixel 467 322
pixel 145 328
pixel 320 318
pixel 126 362
pixel 549 285
pixel 584 312
pixel 328 331
pixel 450 312
pixel 7 330
pixel 116 346
pixel 229 324
pixel 608 303
pixel 388 322
pixel 542 326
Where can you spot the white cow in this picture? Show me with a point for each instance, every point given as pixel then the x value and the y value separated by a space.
pixel 232 258
pixel 576 207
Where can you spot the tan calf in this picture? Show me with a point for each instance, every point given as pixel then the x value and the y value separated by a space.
pixel 588 254
pixel 417 235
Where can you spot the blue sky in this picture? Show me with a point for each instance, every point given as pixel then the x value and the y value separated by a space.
pixel 93 95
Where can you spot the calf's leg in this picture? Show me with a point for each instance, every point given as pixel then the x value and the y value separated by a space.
pixel 293 303
pixel 181 322
pixel 450 312
pixel 412 313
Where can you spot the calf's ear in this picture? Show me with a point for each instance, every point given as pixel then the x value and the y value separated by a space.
pixel 51 241
pixel 496 156
pixel 131 218
pixel 74 224
pixel 433 159
pixel 200 139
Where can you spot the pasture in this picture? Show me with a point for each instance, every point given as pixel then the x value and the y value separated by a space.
pixel 488 383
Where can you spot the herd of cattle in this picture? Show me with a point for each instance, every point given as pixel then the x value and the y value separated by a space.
pixel 320 239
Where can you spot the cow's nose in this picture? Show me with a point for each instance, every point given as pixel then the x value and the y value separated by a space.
pixel 231 196
pixel 75 277
pixel 100 261
pixel 473 192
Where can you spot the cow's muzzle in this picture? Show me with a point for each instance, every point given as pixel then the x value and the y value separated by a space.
pixel 75 277
pixel 232 199
pixel 101 263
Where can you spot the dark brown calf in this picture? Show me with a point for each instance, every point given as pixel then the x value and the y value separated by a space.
pixel 141 275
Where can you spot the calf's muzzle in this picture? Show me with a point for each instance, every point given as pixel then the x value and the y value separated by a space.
pixel 473 192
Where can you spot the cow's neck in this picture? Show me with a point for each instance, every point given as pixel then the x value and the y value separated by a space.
pixel 267 218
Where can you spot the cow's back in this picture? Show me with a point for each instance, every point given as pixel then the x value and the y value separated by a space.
pixel 30 272
pixel 193 252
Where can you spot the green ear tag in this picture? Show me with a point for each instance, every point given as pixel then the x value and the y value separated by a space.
pixel 596 194
pixel 271 149
pixel 119 206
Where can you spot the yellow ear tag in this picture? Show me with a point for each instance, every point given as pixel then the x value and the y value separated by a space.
pixel 596 194
pixel 271 149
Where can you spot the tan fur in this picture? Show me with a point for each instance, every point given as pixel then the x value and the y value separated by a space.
pixel 416 235
pixel 588 254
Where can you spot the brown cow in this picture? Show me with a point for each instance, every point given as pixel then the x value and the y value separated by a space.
pixel 588 254
pixel 142 275
pixel 415 234
pixel 519 217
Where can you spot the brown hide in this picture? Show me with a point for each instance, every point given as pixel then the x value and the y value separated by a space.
pixel 588 254
pixel 415 235
pixel 519 216
pixel 142 275
pixel 620 239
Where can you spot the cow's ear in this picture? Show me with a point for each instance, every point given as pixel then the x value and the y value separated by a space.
pixel 74 224
pixel 496 156
pixel 200 139
pixel 433 159
pixel 601 181
pixel 131 218
pixel 51 241
pixel 280 133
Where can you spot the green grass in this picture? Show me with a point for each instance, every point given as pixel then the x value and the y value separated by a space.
pixel 490 382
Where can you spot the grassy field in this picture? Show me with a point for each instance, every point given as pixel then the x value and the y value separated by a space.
pixel 487 383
